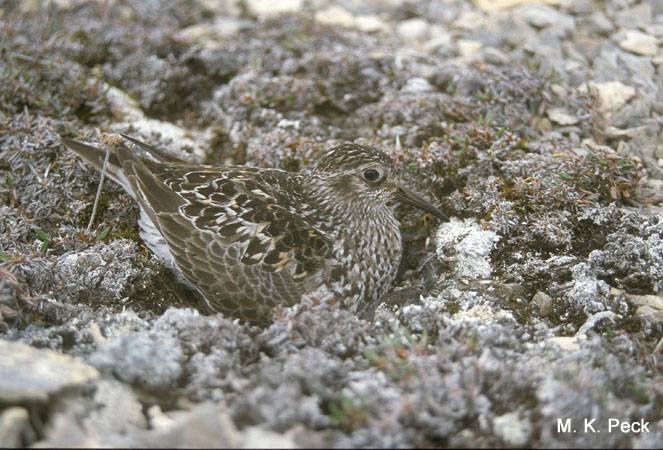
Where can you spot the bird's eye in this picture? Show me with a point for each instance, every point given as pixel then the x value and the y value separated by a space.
pixel 372 175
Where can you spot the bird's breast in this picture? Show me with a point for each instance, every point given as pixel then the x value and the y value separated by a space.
pixel 368 255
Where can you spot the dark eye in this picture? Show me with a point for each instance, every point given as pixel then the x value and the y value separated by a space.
pixel 371 175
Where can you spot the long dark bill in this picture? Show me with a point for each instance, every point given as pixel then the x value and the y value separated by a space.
pixel 405 195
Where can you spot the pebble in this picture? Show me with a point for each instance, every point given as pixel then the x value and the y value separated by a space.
pixel 562 117
pixel 599 23
pixel 544 302
pixel 468 49
pixel 648 305
pixel 495 56
pixel 469 20
pixel 612 94
pixel 335 15
pixel 418 84
pixel 542 16
pixel 413 29
pixel 639 43
pixel 28 374
pixel 497 5
pixel 267 9
pixel 14 423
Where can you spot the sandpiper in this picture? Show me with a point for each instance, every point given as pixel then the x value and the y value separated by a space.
pixel 249 239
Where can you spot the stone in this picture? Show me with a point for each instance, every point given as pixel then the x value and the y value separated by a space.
pixel 544 302
pixel 639 43
pixel 418 84
pixel 370 23
pixel 612 94
pixel 498 5
pixel 467 49
pixel 28 374
pixel 469 20
pixel 561 116
pixel 267 9
pixel 495 56
pixel 14 426
pixel 635 16
pixel 541 16
pixel 413 29
pixel 335 15
pixel 599 23
pixel 647 305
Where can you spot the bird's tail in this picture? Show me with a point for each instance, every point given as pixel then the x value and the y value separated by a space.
pixel 96 157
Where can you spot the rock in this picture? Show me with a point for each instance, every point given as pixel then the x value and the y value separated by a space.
pixel 467 49
pixel 335 15
pixel 566 343
pixel 212 35
pixel 495 56
pixel 14 426
pixel 542 16
pixel 259 437
pixel 370 23
pixel 266 9
pixel 612 94
pixel 639 43
pixel 31 375
pixel 469 20
pixel 205 426
pixel 439 37
pixel 106 420
pixel 599 23
pixel 561 116
pixel 498 5
pixel 413 29
pixel 648 305
pixel 544 302
pixel 418 84
pixel 635 16
pixel 469 245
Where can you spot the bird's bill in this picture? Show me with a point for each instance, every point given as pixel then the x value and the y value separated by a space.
pixel 405 195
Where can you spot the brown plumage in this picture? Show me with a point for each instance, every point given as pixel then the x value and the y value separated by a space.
pixel 249 239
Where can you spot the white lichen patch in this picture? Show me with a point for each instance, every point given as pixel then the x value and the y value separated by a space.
pixel 468 245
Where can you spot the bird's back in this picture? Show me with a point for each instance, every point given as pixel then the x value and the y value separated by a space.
pixel 235 233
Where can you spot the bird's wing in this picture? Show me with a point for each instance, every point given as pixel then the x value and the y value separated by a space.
pixel 232 205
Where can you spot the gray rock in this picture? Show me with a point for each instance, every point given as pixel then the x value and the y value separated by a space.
pixel 413 29
pixel 418 84
pixel 31 375
pixel 204 426
pixel 105 420
pixel 544 302
pixel 495 56
pixel 540 16
pixel 635 16
pixel 598 23
pixel 637 42
pixel 15 430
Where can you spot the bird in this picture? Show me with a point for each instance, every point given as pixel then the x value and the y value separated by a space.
pixel 250 239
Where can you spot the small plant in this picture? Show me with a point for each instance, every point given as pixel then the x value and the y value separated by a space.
pixel 348 413
pixel 43 237
pixel 101 236
pixel 392 354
